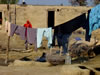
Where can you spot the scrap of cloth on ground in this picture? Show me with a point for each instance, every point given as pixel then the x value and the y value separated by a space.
pixel 46 32
pixel 94 19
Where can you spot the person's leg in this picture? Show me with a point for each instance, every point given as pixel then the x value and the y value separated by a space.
pixel 65 41
pixel 65 46
pixel 59 42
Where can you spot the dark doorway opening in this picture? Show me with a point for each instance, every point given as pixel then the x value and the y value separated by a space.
pixel 51 17
pixel 0 17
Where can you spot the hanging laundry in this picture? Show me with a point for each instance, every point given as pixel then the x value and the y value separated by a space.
pixel 27 25
pixel 10 28
pixel 7 27
pixel 62 40
pixel 63 31
pixel 72 25
pixel 94 19
pixel 86 27
pixel 32 36
pixel 15 29
pixel 46 32
pixel 20 30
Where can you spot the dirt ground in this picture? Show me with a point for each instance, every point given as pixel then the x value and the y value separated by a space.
pixel 16 67
pixel 37 68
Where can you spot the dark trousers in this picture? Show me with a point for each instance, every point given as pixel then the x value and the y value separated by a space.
pixel 63 40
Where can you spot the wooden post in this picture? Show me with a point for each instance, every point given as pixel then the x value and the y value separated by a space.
pixel 15 13
pixel 8 41
pixel 7 51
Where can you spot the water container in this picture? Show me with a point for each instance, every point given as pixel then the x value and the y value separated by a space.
pixel 68 59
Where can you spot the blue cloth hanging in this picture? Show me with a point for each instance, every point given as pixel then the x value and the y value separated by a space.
pixel 94 19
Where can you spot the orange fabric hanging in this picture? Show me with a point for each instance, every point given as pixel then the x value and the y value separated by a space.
pixel 27 25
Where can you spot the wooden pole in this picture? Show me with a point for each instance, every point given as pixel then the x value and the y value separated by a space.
pixel 8 41
pixel 7 51
pixel 15 13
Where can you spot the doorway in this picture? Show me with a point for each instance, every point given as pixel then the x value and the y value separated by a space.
pixel 51 18
pixel 0 17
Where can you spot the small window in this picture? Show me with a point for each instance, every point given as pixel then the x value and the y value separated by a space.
pixel 0 17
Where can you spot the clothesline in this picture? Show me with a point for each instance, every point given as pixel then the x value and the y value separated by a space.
pixel 61 32
pixel 34 35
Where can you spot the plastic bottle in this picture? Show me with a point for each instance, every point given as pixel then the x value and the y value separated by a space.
pixel 68 59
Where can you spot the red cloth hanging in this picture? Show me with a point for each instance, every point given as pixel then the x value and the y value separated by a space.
pixel 27 25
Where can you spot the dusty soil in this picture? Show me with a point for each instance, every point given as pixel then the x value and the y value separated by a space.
pixel 37 68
